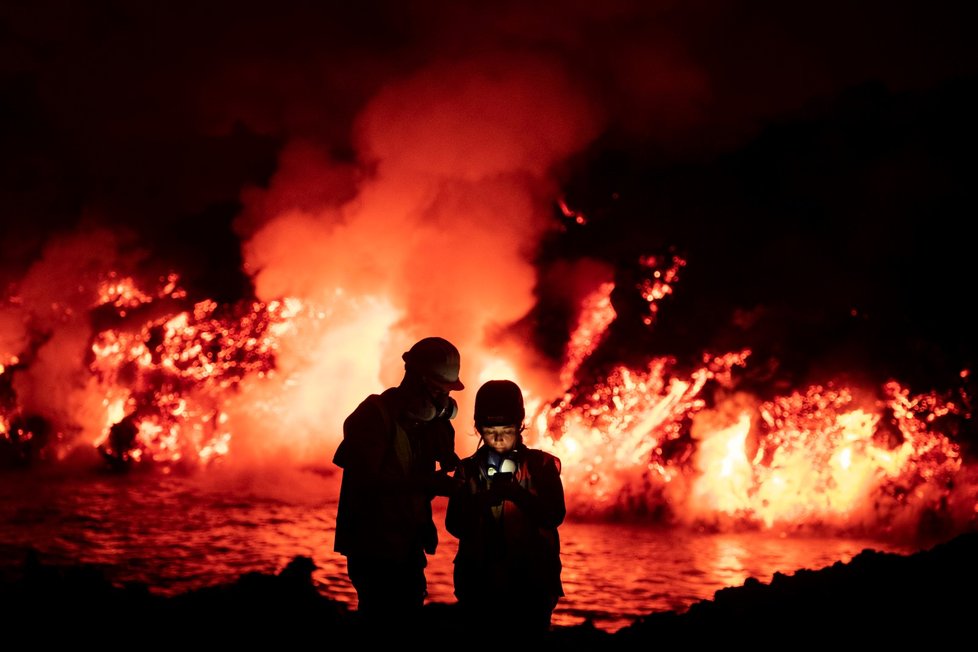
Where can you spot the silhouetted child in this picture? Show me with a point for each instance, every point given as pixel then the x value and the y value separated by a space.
pixel 505 514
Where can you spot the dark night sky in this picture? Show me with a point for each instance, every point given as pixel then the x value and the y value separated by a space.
pixel 814 162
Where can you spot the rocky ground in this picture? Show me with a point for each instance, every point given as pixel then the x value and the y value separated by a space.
pixel 877 598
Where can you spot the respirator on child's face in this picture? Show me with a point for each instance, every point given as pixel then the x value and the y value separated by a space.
pixel 506 466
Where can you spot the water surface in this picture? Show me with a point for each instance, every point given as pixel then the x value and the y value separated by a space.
pixel 182 532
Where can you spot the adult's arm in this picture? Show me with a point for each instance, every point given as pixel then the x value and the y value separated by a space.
pixel 461 505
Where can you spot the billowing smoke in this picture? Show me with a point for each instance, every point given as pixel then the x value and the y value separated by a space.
pixel 415 177
pixel 52 309
pixel 434 235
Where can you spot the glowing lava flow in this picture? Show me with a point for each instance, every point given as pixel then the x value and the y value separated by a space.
pixel 822 459
pixel 654 443
pixel 164 376
pixel 182 382
pixel 597 314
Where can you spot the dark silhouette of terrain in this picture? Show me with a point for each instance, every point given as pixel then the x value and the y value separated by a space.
pixel 877 597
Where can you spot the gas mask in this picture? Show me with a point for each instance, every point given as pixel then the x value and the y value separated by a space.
pixel 506 466
pixel 427 403
pixel 446 409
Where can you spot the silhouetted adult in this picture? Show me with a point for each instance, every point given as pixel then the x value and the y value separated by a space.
pixel 390 447
pixel 505 513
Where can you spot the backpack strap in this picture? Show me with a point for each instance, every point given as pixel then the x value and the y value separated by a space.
pixel 399 439
pixel 340 456
pixel 381 406
pixel 401 443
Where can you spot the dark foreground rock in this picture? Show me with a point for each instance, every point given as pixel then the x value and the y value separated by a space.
pixel 877 598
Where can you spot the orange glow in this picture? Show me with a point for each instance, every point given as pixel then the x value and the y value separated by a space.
pixel 812 460
pixel 434 217
pixel 611 440
pixel 597 314
pixel 164 378
pixel 660 284
pixel 575 216
pixel 175 383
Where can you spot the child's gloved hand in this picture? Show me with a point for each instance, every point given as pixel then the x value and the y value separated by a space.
pixel 503 486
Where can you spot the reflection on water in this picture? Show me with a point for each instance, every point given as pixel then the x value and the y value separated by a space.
pixel 178 533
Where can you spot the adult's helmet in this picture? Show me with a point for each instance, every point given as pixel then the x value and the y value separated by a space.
pixel 436 359
pixel 499 403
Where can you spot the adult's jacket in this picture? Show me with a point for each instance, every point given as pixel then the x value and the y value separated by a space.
pixel 388 463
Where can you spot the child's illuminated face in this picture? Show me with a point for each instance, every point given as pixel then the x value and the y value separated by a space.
pixel 501 439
